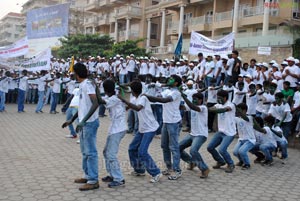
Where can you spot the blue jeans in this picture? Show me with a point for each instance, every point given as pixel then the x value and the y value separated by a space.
pixel 110 154
pixel 219 78
pixel 130 76
pixel 132 121
pixel 241 149
pixel 71 111
pixel 122 78
pixel 88 147
pixel 54 101
pixel 139 157
pixel 224 141
pixel 286 129
pixel 40 104
pixel 283 146
pixel 2 101
pixel 266 149
pixel 21 99
pixel 157 112
pixel 207 81
pixel 169 144
pixel 48 94
pixel 195 142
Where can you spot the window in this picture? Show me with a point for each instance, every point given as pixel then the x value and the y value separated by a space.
pixel 187 17
pixel 154 30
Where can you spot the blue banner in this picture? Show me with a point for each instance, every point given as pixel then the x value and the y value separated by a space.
pixel 178 47
pixel 52 21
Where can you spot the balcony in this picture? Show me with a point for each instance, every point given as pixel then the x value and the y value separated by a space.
pixel 129 12
pixel 93 6
pixel 90 21
pixel 116 2
pixel 255 15
pixel 103 20
pixel 202 23
pixel 223 20
pixel 173 28
pixel 133 34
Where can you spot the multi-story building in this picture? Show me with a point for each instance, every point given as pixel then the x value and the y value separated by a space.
pixel 11 28
pixel 160 22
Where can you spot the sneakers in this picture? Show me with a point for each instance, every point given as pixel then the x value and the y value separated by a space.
pixel 80 181
pixel 283 160
pixel 107 179
pixel 175 176
pixel 204 174
pixel 191 166
pixel 239 164
pixel 87 187
pixel 166 172
pixel 71 136
pixel 258 160
pixel 115 184
pixel 137 174
pixel 218 165
pixel 229 169
pixel 156 178
pixel 267 163
pixel 298 135
pixel 245 167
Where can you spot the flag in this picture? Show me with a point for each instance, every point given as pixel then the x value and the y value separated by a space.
pixel 71 69
pixel 178 47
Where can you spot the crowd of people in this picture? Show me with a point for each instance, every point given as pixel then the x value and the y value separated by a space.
pixel 258 102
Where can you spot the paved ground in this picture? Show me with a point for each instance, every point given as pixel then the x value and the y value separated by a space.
pixel 38 163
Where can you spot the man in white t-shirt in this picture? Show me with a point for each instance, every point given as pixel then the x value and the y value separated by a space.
pixel 198 134
pixel 291 73
pixel 41 91
pixel 87 126
pixel 140 159
pixel 226 131
pixel 23 82
pixel 4 89
pixel 171 122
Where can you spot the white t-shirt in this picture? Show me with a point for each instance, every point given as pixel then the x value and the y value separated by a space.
pixel 219 65
pixel 123 70
pixel 152 68
pixel 41 83
pixel 86 88
pixel 189 93
pixel 278 111
pixel 209 66
pixel 293 69
pixel 212 95
pixel 71 86
pixel 226 120
pixel 199 121
pixel 268 138
pixel 144 69
pixel 296 99
pixel 56 85
pixel 131 65
pixel 171 112
pixel 245 129
pixel 251 102
pixel 23 83
pixel 117 114
pixel 277 138
pixel 230 91
pixel 230 64
pixel 147 122
pixel 4 84
pixel 75 99
pixel 238 98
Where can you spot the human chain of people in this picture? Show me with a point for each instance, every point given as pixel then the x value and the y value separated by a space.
pixel 257 102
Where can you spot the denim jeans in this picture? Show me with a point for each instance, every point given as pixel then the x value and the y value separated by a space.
pixel 219 79
pixel 224 141
pixel 207 81
pixel 122 78
pixel 283 146
pixel 130 76
pixel 241 149
pixel 2 101
pixel 139 157
pixel 286 129
pixel 266 149
pixel 195 142
pixel 110 154
pixel 55 97
pixel 157 112
pixel 66 106
pixel 71 111
pixel 40 104
pixel 21 99
pixel 169 144
pixel 88 147
pixel 48 94
pixel 132 121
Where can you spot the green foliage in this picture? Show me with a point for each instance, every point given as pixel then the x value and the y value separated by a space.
pixel 84 45
pixel 296 48
pixel 93 45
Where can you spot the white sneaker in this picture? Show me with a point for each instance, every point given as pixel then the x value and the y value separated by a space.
pixel 156 178
pixel 78 141
pixel 70 136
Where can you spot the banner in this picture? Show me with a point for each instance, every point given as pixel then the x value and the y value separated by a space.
pixel 17 49
pixel 48 22
pixel 39 62
pixel 178 49
pixel 264 50
pixel 200 43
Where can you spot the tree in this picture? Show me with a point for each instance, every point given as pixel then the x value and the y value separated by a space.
pixel 81 45
pixel 129 47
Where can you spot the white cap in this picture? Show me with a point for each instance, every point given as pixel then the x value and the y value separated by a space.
pixel 290 59
pixel 272 62
pixel 117 55
pixel 248 76
pixel 264 64
pixel 275 65
pixel 196 60
pixel 132 55
pixel 258 64
pixel 172 60
pixel 190 82
pixel 181 60
pixel 285 63
pixel 241 75
pixel 141 57
pixel 177 63
pixel 191 64
pixel 274 81
pixel 163 63
pixel 137 62
pixel 146 58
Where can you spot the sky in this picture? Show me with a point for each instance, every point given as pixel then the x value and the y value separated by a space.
pixel 7 6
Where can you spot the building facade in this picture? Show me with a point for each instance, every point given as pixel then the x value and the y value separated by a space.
pixel 160 22
pixel 11 28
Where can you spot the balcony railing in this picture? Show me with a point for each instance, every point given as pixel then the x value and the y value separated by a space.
pixel 223 16
pixel 201 20
pixel 129 10
pixel 256 11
